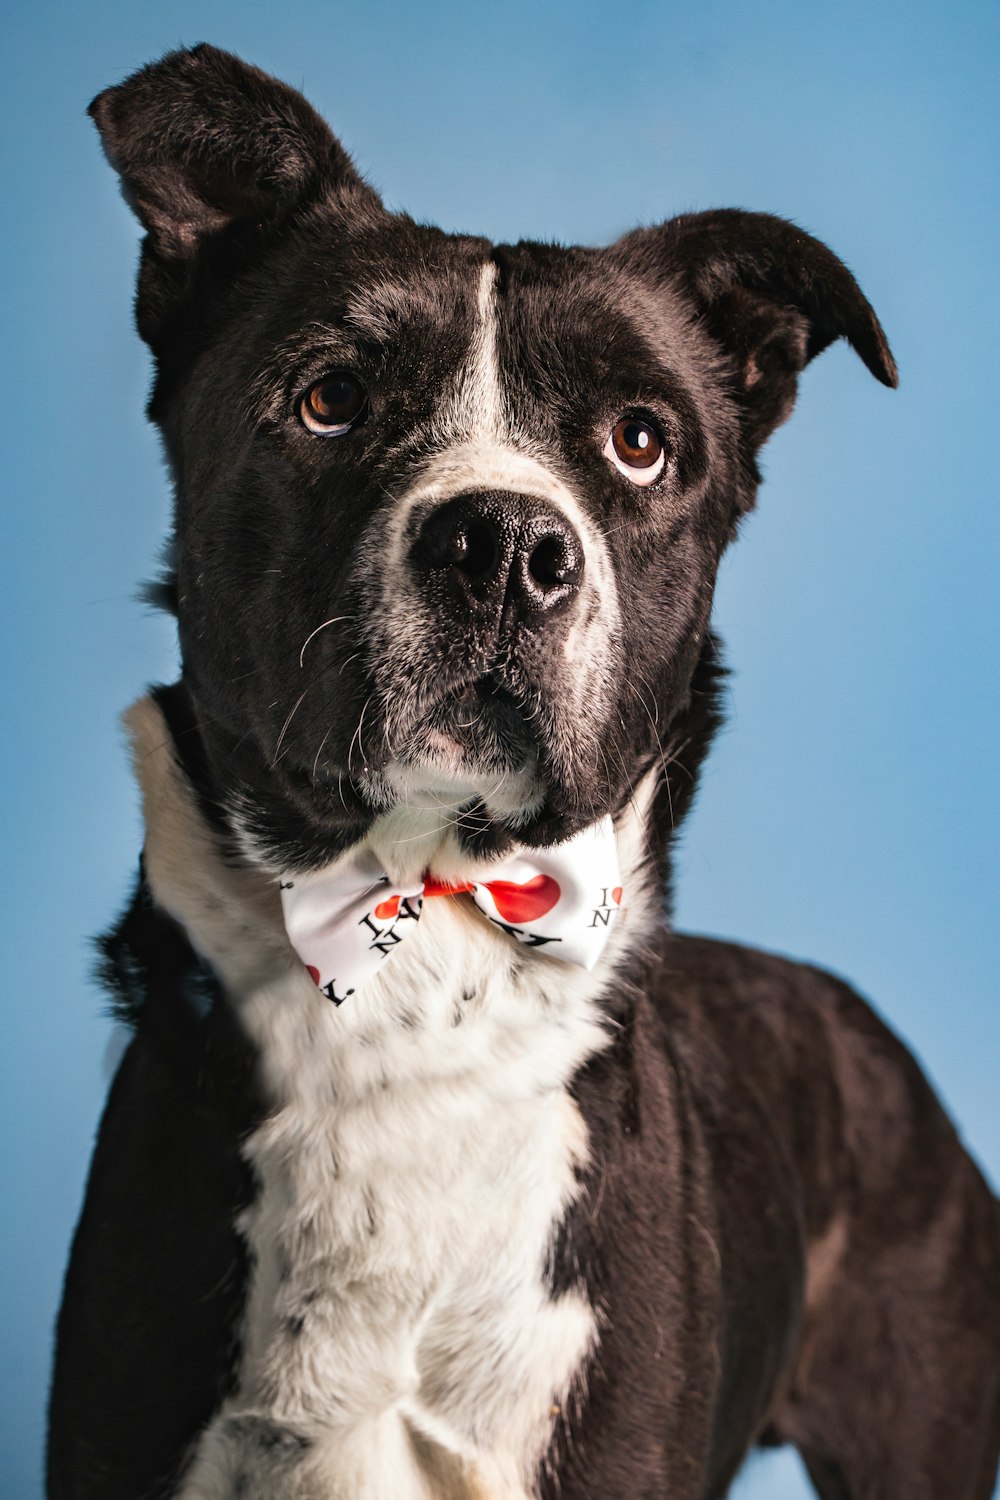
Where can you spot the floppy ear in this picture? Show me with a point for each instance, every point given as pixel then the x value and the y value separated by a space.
pixel 205 144
pixel 773 296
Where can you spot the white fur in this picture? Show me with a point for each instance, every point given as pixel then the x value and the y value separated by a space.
pixel 476 409
pixel 422 1148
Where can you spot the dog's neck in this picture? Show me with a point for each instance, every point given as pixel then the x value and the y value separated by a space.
pixel 230 908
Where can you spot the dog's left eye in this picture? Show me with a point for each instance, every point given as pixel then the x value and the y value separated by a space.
pixel 637 449
pixel 333 405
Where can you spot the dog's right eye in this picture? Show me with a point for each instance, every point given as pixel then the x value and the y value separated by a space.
pixel 333 405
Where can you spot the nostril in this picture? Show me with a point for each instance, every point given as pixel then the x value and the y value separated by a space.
pixel 473 549
pixel 459 540
pixel 551 563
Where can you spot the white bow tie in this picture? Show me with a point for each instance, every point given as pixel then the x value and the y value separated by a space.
pixel 344 923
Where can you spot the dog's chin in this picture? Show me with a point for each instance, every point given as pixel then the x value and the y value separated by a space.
pixel 477 761
pixel 472 747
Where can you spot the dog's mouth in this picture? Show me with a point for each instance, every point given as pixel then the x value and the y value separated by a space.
pixel 481 721
pixel 472 738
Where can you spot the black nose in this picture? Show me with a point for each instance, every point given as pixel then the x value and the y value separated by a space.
pixel 498 553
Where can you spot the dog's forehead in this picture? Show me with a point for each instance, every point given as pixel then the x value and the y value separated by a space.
pixel 382 297
pixel 409 281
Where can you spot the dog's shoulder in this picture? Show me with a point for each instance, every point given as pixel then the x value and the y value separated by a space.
pixel 761 1031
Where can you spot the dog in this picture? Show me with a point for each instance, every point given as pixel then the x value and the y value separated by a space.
pixel 437 1164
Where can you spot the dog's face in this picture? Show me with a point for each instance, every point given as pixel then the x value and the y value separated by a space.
pixel 449 514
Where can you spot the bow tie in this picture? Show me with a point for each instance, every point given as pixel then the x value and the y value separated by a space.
pixel 346 922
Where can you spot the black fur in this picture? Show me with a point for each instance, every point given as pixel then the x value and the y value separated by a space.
pixel 781 1232
pixel 148 1332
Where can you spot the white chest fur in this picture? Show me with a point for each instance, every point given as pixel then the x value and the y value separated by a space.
pixel 422 1154
pixel 400 1339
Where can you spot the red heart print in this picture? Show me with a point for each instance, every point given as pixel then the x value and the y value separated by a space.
pixel 386 910
pixel 313 974
pixel 616 895
pixel 524 902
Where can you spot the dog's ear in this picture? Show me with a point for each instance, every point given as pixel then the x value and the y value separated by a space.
pixel 206 144
pixel 773 296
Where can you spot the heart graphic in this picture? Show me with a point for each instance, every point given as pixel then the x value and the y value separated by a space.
pixel 616 895
pixel 313 973
pixel 525 902
pixel 386 910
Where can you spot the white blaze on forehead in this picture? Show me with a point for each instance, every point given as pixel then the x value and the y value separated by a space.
pixel 484 371
pixel 476 406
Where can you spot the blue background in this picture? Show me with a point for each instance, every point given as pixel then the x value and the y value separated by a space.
pixel 849 813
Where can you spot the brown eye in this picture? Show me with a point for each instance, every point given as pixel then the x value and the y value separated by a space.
pixel 636 448
pixel 333 405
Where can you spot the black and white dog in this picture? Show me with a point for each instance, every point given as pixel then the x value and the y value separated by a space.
pixel 395 1198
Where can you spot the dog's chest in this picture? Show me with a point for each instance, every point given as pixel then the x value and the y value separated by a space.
pixel 422 1151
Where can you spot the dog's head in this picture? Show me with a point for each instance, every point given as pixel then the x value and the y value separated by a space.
pixel 448 514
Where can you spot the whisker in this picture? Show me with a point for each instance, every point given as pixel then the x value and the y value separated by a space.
pixel 356 736
pixel 284 731
pixel 661 755
pixel 319 752
pixel 336 620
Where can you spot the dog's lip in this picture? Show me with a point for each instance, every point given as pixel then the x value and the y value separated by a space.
pixel 485 693
pixel 472 746
pixel 489 687
pixel 470 729
pixel 476 721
